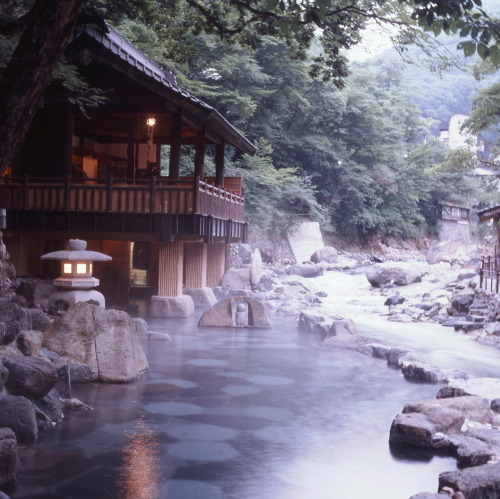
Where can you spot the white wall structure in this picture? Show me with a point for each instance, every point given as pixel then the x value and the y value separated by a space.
pixel 456 138
pixel 304 240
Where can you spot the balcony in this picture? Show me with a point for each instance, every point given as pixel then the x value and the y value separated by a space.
pixel 156 206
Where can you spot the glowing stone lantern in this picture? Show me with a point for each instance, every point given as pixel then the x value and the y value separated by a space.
pixel 76 281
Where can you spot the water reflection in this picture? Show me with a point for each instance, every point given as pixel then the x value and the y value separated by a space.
pixel 239 415
pixel 141 473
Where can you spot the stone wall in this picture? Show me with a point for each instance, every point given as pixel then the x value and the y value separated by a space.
pixel 451 230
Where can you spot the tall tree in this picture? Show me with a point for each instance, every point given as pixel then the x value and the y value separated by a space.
pixel 29 70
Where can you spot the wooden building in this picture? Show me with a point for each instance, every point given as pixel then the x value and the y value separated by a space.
pixel 98 176
pixel 489 271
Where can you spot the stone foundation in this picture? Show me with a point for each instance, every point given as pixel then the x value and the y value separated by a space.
pixel 170 307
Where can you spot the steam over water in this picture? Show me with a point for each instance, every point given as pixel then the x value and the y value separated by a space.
pixel 252 414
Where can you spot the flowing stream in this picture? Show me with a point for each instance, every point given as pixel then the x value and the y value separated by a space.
pixel 253 414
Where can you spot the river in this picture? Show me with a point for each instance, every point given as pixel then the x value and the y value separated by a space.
pixel 253 414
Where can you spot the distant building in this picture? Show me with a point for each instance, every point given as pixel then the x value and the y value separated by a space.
pixel 455 138
pixel 455 223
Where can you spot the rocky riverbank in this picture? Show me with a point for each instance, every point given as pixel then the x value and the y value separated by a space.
pixel 463 420
pixel 38 358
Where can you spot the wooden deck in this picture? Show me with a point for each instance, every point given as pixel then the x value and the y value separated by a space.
pixel 155 196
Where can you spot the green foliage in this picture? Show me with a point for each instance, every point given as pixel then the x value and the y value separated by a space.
pixel 461 161
pixel 354 158
pixel 275 198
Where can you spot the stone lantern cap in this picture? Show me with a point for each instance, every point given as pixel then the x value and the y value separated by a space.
pixel 76 251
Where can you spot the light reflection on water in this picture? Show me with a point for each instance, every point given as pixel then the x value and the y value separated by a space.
pixel 141 471
pixel 246 414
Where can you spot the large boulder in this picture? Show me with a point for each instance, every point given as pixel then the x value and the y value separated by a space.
pixel 8 456
pixel 413 430
pixel 105 340
pixel 18 414
pixel 315 323
pixel 31 377
pixel 327 254
pixel 169 307
pixel 306 270
pixel 478 482
pixel 470 451
pixel 13 320
pixel 257 269
pixel 399 274
pixel 343 327
pixel 420 371
pixel 449 414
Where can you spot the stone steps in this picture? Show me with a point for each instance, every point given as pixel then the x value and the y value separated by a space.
pixel 478 311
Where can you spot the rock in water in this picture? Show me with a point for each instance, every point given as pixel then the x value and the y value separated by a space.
pixel 105 340
pixel 399 274
pixel 8 456
pixel 18 414
pixel 414 430
pixel 478 481
pixel 306 270
pixel 327 254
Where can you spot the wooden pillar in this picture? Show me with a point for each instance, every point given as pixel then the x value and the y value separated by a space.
pixel 199 158
pixel 170 265
pixel 158 159
pixel 175 147
pixel 216 263
pixel 219 164
pixel 68 152
pixel 496 231
pixel 195 265
pixel 131 151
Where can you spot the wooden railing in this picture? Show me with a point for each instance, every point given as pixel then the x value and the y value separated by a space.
pixel 155 196
pixel 489 272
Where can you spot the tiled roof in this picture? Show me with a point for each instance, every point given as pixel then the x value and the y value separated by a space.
pixel 119 46
pixel 489 213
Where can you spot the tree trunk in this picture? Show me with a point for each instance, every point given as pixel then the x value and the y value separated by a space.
pixel 28 73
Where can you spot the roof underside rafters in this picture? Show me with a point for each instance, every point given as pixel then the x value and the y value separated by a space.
pixel 122 55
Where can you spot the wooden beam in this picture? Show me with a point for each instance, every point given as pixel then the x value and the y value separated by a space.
pixel 68 149
pixel 175 147
pixel 199 158
pixel 131 151
pixel 219 165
